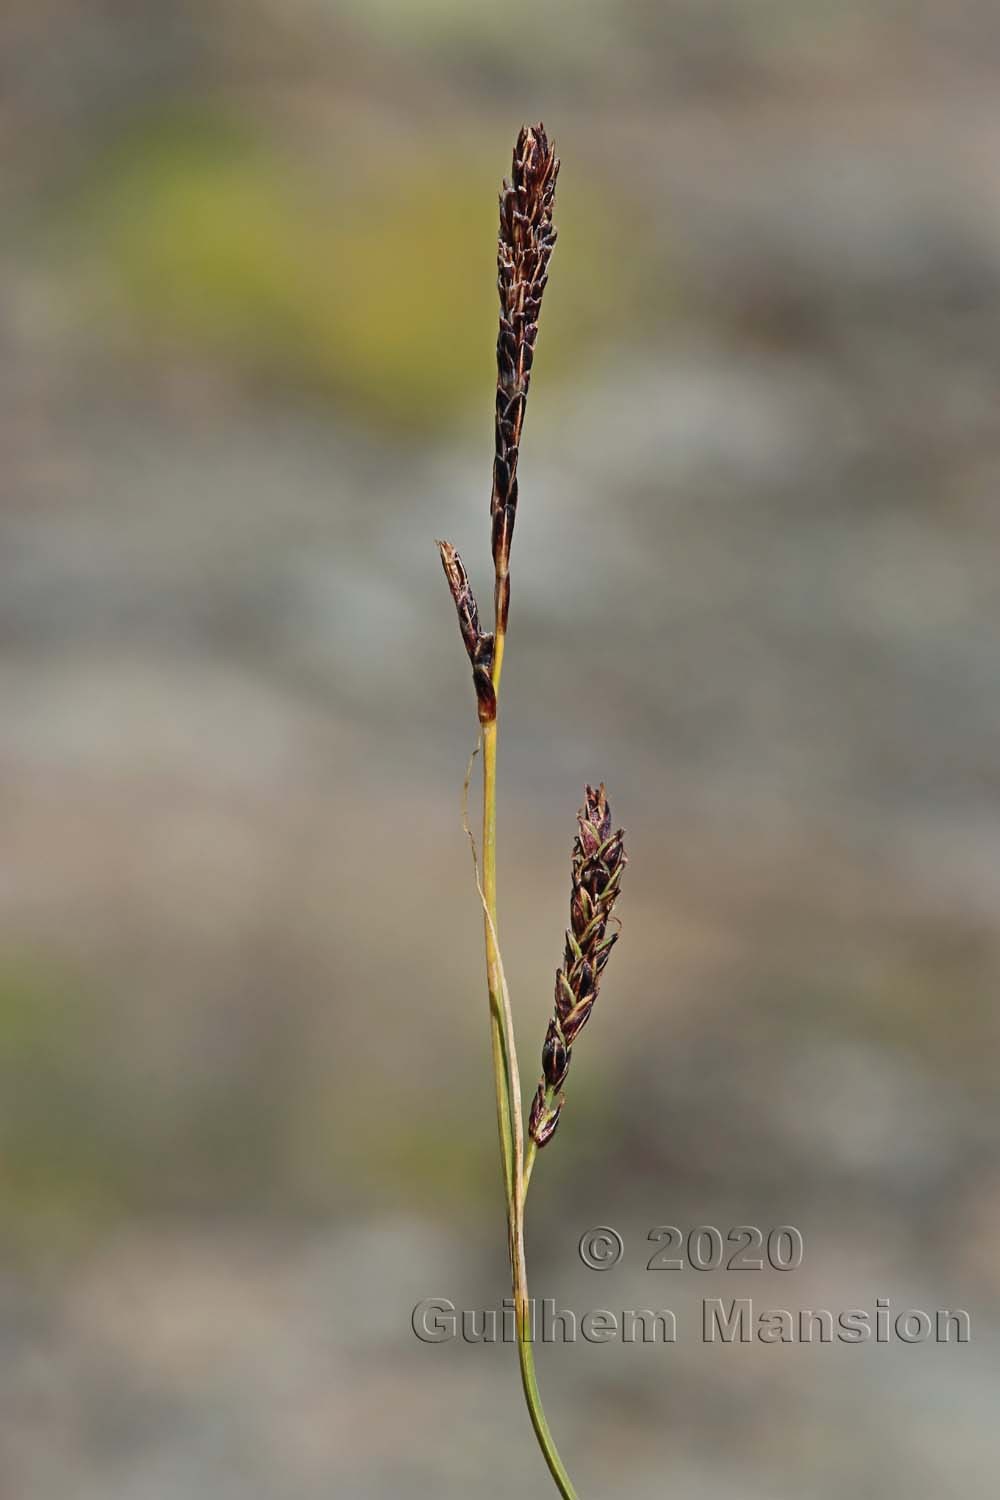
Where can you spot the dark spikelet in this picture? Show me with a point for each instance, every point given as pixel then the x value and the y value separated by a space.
pixel 598 861
pixel 524 247
pixel 478 642
pixel 544 1117
pixel 555 1056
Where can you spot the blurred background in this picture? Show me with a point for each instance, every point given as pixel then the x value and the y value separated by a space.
pixel 246 1115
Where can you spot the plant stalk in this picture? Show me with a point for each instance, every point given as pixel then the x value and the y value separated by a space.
pixel 498 1031
pixel 508 1087
pixel 529 1160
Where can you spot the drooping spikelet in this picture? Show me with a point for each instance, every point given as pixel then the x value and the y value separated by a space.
pixel 478 642
pixel 524 246
pixel 598 861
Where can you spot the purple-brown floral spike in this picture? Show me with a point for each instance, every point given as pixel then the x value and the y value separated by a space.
pixel 524 247
pixel 598 861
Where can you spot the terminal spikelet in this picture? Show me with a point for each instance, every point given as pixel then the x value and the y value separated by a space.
pixel 524 247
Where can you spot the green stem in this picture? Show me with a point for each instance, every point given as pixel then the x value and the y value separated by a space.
pixel 501 1061
pixel 529 1163
pixel 536 1411
pixel 508 1092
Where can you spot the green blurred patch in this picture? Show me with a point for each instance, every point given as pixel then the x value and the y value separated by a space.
pixel 370 277
pixel 96 1128
pixel 63 1155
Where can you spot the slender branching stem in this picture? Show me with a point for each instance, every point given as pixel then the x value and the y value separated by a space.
pixel 524 246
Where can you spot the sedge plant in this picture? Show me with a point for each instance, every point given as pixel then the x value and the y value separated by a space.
pixel 524 248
